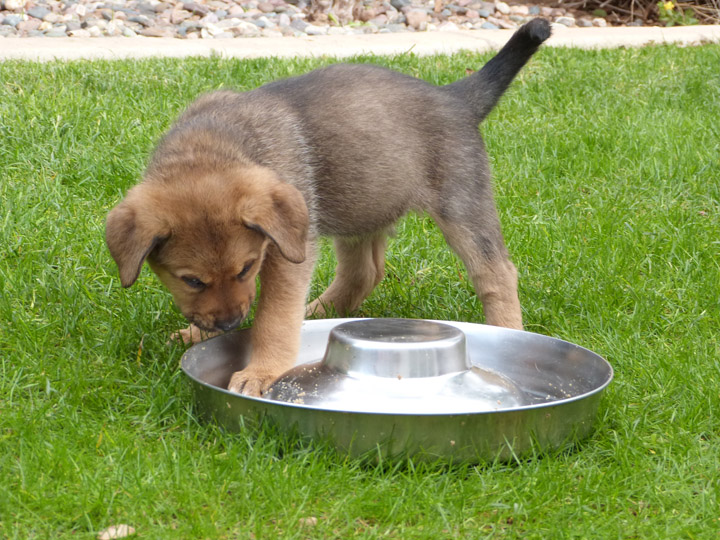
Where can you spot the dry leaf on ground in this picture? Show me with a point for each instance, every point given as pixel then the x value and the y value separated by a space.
pixel 116 531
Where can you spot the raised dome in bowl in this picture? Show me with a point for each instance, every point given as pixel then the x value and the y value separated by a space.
pixel 396 348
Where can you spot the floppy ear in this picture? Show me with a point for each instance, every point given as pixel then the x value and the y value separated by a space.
pixel 131 235
pixel 285 220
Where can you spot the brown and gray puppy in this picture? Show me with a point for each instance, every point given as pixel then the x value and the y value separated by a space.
pixel 244 183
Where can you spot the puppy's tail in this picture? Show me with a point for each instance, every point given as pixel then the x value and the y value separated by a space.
pixel 483 89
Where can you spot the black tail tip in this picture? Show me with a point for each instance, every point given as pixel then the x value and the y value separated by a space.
pixel 537 30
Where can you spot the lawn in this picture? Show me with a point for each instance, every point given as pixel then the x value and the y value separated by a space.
pixel 607 177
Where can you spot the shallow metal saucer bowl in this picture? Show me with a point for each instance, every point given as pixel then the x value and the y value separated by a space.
pixel 422 388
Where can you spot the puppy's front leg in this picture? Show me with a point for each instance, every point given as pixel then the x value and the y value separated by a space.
pixel 276 331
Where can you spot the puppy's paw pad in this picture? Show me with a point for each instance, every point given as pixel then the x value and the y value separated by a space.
pixel 192 334
pixel 186 335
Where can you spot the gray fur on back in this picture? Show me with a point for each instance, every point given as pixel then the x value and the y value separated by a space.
pixel 364 144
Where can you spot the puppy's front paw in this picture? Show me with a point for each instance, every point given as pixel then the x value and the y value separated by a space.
pixel 251 382
pixel 192 334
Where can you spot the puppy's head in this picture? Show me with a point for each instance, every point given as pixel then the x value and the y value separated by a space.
pixel 206 235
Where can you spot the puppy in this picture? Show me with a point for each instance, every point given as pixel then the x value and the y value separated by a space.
pixel 244 183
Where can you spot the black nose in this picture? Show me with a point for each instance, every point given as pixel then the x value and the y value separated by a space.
pixel 229 324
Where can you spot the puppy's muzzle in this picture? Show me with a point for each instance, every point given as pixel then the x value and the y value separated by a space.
pixel 229 324
pixel 213 324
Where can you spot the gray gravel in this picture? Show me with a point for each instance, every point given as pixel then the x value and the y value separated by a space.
pixel 228 19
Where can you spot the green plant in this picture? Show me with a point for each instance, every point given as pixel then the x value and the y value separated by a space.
pixel 673 15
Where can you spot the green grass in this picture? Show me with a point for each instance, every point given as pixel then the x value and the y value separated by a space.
pixel 607 175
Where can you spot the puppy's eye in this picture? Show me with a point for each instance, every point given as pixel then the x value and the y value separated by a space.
pixel 245 269
pixel 193 282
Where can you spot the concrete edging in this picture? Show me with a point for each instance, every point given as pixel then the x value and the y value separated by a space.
pixel 421 43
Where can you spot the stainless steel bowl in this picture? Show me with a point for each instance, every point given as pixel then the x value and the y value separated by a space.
pixel 423 388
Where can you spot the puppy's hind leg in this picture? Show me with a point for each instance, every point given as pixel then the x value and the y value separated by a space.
pixel 474 234
pixel 361 266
